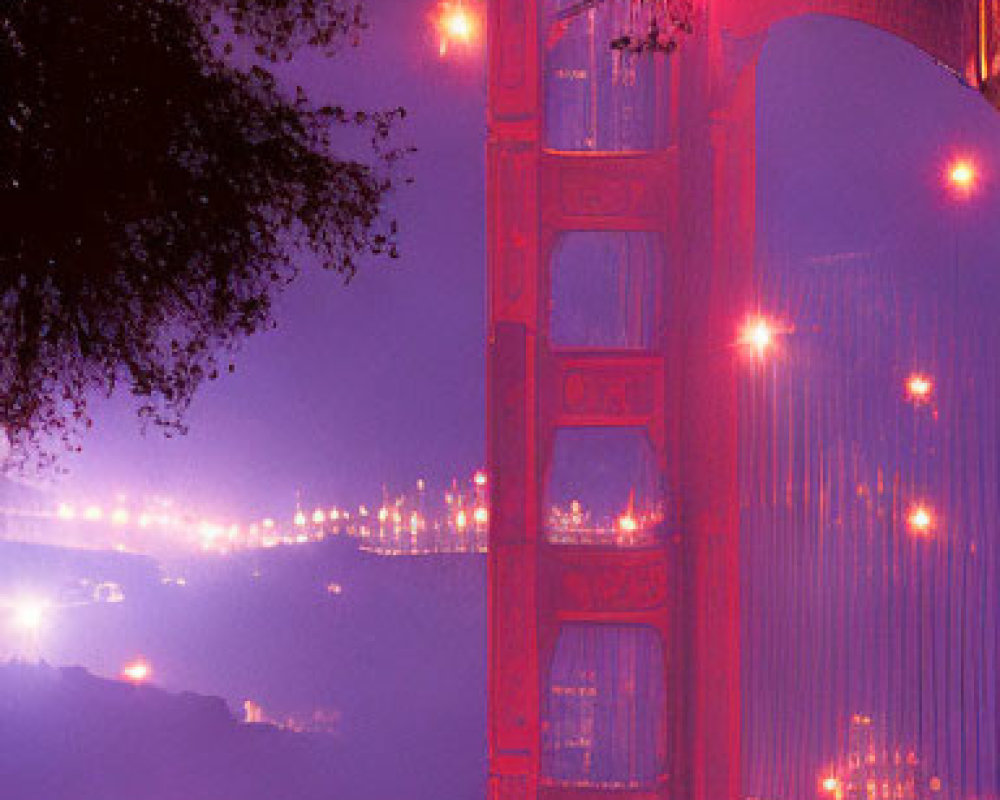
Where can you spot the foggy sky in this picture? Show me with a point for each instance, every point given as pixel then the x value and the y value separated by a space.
pixel 383 381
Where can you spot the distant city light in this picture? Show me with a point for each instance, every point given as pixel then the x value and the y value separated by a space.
pixel 627 523
pixel 481 515
pixel 119 517
pixel 138 671
pixel 480 479
pixel 919 388
pixel 962 175
pixel 65 511
pixel 456 24
pixel 300 519
pixel 830 784
pixel 29 613
pixel 920 519
pixel 93 513
pixel 319 516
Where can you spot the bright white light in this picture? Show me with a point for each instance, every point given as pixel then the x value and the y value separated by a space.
pixel 300 518
pixel 456 23
pixel 480 479
pixel 627 523
pixel 830 784
pixel 757 336
pixel 962 175
pixel 65 511
pixel 920 519
pixel 919 387
pixel 481 515
pixel 138 671
pixel 29 613
pixel 119 517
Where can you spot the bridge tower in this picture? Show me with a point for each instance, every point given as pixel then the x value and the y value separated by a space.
pixel 621 217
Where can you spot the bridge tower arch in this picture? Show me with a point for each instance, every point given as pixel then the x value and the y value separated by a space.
pixel 621 215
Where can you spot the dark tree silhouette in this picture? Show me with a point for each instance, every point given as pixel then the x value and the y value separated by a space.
pixel 153 194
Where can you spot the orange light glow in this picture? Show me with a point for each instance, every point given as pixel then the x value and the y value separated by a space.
pixel 920 519
pixel 919 388
pixel 138 671
pixel 461 520
pixel 456 24
pixel 627 523
pixel 757 336
pixel 962 176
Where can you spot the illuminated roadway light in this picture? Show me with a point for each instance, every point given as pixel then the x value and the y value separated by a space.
pixel 119 517
pixel 138 671
pixel 830 784
pixel 300 519
pixel 481 515
pixel 962 176
pixel 480 479
pixel 920 520
pixel 319 516
pixel 627 523
pixel 919 388
pixel 461 520
pixel 65 511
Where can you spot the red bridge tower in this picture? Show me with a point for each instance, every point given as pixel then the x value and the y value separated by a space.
pixel 621 187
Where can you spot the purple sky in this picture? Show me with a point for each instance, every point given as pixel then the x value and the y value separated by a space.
pixel 383 380
pixel 378 381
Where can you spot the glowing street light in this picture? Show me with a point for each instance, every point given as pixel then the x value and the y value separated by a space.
pixel 138 671
pixel 961 175
pixel 919 388
pixel 920 520
pixel 65 511
pixel 830 784
pixel 627 523
pixel 758 335
pixel 456 24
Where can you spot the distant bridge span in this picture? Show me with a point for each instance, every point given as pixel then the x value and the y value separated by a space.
pixel 621 241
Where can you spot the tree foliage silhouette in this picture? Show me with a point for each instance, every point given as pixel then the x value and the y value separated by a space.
pixel 156 181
